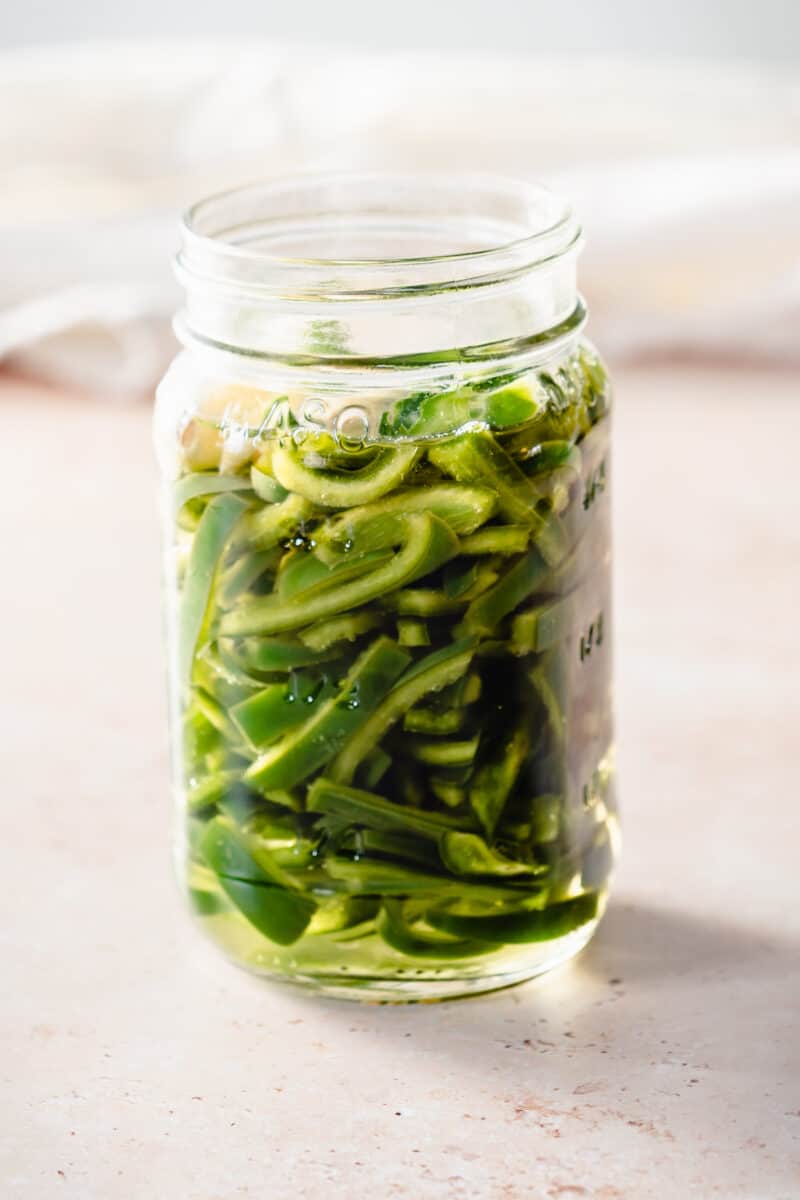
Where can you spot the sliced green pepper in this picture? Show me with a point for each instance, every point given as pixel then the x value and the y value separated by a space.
pixel 356 807
pixel 495 778
pixel 267 655
pixel 205 483
pixel 314 743
pixel 430 674
pixel 342 489
pixel 267 715
pixel 374 526
pixel 428 544
pixel 347 628
pixel 408 938
pixel 272 524
pixel 555 921
pixel 468 854
pixel 526 575
pixel 281 914
pixel 219 518
pixel 264 486
pixel 497 539
pixel 412 632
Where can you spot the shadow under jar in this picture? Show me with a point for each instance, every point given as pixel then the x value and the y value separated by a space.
pixel 385 448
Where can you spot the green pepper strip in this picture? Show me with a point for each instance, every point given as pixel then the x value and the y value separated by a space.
pixel 312 576
pixel 347 628
pixel 242 574
pixel 555 921
pixel 447 791
pixel 265 487
pixel 205 483
pixel 219 518
pixel 374 526
pixel 545 816
pixel 358 807
pixel 401 935
pixel 430 674
pixel 538 628
pixel 544 457
pixel 269 714
pixel 494 780
pixel 445 754
pixel 428 544
pixel 497 539
pixel 468 854
pixel 267 654
pixel 477 458
pixel 281 914
pixel 374 767
pixel 526 575
pixel 379 877
pixel 342 913
pixel 210 790
pixel 273 523
pixel 553 708
pixel 412 632
pixel 224 686
pixel 316 741
pixel 428 720
pixel 343 489
pixel 206 903
pixel 422 602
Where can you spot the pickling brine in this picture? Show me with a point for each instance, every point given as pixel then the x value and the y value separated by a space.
pixel 389 630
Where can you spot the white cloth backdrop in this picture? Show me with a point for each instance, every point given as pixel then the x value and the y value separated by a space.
pixel 686 177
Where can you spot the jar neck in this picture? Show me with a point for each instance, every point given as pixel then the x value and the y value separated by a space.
pixel 363 272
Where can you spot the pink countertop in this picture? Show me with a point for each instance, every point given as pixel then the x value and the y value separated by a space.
pixel 663 1063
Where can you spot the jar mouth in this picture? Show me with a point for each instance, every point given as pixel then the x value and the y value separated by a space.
pixel 347 236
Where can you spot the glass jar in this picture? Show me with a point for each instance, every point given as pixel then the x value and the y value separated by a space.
pixel 386 458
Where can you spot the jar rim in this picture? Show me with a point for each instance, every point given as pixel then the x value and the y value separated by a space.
pixel 242 238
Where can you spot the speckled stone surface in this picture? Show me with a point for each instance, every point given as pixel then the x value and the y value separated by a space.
pixel 664 1063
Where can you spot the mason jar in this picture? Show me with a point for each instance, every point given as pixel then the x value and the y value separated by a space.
pixel 385 452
